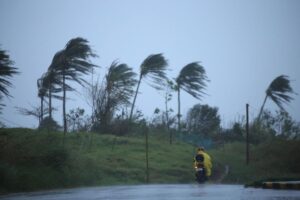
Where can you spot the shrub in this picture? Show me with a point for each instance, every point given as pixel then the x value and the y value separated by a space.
pixel 49 124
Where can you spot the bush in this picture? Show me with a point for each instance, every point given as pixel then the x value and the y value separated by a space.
pixel 49 124
pixel 8 176
pixel 279 155
pixel 55 157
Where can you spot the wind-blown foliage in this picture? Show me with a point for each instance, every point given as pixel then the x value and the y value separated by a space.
pixel 279 92
pixel 73 62
pixel 192 79
pixel 118 90
pixel 50 84
pixel 68 64
pixel 6 72
pixel 120 82
pixel 153 67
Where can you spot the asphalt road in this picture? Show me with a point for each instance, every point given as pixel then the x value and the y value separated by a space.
pixel 160 192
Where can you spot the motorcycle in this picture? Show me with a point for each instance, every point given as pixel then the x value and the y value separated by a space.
pixel 199 169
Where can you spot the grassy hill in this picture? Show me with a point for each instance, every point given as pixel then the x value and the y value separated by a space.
pixel 33 160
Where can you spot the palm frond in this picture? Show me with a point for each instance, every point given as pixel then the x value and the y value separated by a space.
pixel 41 90
pixel 154 67
pixel 6 72
pixel 81 66
pixel 120 81
pixel 192 78
pixel 280 90
pixel 78 48
pixel 51 80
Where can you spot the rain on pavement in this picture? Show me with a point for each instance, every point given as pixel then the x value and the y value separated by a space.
pixel 159 192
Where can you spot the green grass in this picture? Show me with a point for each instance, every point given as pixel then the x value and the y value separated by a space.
pixel 276 159
pixel 32 160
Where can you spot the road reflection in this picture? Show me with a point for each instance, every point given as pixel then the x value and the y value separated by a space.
pixel 160 192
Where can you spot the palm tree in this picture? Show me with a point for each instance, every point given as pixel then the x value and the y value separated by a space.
pixel 52 80
pixel 154 67
pixel 119 83
pixel 278 91
pixel 73 62
pixel 192 79
pixel 6 72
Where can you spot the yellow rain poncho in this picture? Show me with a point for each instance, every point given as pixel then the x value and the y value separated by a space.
pixel 207 162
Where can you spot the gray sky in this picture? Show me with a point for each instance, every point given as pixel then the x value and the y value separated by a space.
pixel 243 45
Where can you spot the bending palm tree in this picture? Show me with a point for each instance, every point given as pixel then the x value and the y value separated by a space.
pixel 154 67
pixel 52 80
pixel 50 83
pixel 278 91
pixel 73 62
pixel 192 79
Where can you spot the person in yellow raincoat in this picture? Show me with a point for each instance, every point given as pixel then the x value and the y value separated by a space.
pixel 206 161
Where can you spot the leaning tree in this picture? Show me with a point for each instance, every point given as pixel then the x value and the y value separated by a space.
pixel 279 91
pixel 72 63
pixel 192 79
pixel 153 67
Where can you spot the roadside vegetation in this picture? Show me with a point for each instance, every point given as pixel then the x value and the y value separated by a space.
pixel 35 160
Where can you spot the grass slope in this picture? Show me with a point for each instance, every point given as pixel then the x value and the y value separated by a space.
pixel 32 160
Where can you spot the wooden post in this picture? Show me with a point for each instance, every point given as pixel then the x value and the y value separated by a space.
pixel 247 134
pixel 147 160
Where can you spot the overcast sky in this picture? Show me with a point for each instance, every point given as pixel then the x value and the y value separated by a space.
pixel 243 46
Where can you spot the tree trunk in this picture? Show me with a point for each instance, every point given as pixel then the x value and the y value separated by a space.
pixel 167 117
pixel 133 103
pixel 179 115
pixel 42 109
pixel 64 104
pixel 147 149
pixel 50 104
pixel 262 108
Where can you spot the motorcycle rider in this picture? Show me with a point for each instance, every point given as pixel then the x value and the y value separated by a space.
pixel 205 159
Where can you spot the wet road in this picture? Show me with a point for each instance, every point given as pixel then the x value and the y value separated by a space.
pixel 160 192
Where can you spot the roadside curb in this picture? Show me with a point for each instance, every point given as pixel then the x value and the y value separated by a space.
pixel 292 185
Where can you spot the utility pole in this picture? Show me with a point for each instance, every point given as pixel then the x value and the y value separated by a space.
pixel 247 134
